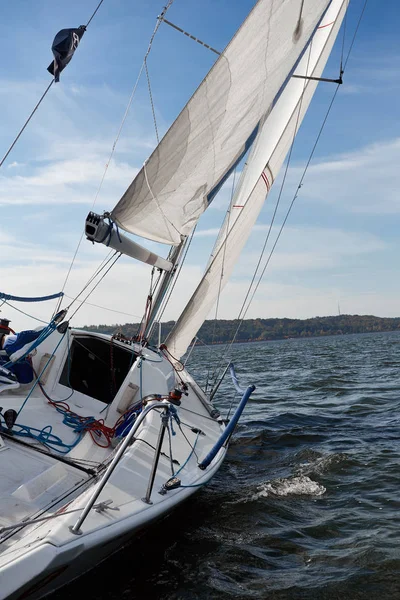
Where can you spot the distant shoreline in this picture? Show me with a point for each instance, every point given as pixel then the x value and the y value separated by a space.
pixel 222 331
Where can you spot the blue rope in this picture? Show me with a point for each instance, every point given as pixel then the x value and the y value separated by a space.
pixel 189 457
pixel 193 485
pixel 23 299
pixel 129 419
pixel 44 436
pixel 109 231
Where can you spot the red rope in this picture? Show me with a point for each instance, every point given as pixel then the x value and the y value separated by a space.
pixel 95 428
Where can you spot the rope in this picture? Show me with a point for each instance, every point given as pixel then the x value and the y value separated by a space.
pixel 97 272
pixel 190 455
pixel 149 303
pixel 343 39
pixel 97 8
pixel 240 317
pixel 151 102
pixel 100 280
pixel 24 313
pixel 119 130
pixel 191 37
pixel 170 434
pixel 220 280
pixel 39 102
pixel 294 197
pixel 190 445
pixel 120 312
pixel 26 123
pixel 355 33
pixel 165 302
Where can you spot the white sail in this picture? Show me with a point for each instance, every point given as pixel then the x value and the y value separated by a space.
pixel 266 158
pixel 219 123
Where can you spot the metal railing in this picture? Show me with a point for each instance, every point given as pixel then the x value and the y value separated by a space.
pixel 163 405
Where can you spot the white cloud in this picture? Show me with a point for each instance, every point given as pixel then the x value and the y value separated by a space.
pixel 65 182
pixel 363 181
pixel 298 301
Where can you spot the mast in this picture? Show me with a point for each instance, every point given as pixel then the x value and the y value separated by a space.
pixel 174 257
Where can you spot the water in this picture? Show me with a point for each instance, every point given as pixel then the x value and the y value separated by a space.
pixel 307 503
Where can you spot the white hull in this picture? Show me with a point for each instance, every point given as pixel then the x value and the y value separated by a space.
pixel 60 566
pixel 39 557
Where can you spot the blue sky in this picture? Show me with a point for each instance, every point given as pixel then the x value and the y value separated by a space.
pixel 340 244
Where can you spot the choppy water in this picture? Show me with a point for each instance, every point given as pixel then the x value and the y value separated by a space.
pixel 307 503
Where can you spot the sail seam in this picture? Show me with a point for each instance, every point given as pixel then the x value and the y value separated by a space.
pixel 299 185
pixel 157 202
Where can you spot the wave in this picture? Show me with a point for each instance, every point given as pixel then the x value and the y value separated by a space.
pixel 298 485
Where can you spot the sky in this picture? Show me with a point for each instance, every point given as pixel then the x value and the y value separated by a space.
pixel 339 249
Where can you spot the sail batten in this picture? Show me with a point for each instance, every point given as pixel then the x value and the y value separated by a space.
pixel 267 156
pixel 219 122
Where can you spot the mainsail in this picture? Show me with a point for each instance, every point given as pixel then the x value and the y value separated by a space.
pixel 267 156
pixel 219 123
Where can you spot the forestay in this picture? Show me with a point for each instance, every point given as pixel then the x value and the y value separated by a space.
pixel 219 122
pixel 267 156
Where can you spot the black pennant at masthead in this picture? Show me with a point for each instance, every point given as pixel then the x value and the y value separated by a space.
pixel 64 45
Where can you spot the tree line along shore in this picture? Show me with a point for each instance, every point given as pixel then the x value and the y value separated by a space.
pixel 222 331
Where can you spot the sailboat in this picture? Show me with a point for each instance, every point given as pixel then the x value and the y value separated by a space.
pixel 114 433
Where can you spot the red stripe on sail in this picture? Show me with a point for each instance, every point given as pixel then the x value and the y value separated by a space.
pixel 327 25
pixel 263 175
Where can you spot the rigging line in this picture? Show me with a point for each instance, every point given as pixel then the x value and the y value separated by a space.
pixel 192 37
pixel 176 277
pixel 209 348
pixel 306 167
pixel 97 272
pixel 355 33
pixel 145 319
pixel 39 102
pixel 97 8
pixel 343 38
pixel 91 352
pixel 24 313
pixel 26 122
pixel 292 202
pixel 241 312
pixel 274 213
pixel 151 102
pixel 92 290
pixel 120 312
pixel 120 129
pixel 221 279
pixel 249 290
pixel 73 260
pixel 192 447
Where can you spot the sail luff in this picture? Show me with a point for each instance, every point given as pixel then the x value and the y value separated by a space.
pixel 266 159
pixel 218 123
